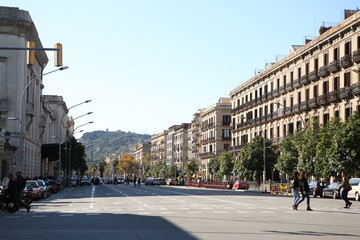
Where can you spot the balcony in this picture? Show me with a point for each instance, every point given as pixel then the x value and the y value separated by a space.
pixel 296 83
pixel 334 66
pixel 226 138
pixel 263 98
pixel 270 96
pixel 355 88
pixel 323 100
pixel 304 80
pixel 282 90
pixel 304 106
pixel 289 87
pixel 333 96
pixel 313 76
pixel 313 103
pixel 345 92
pixel 324 71
pixel 263 118
pixel 275 93
pixel 226 123
pixel 275 115
pixel 346 61
pixel 356 56
pixel 295 108
pixel 207 154
pixel 288 111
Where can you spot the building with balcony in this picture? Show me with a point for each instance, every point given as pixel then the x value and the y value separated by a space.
pixel 195 137
pixel 180 145
pixel 158 147
pixel 215 132
pixel 317 80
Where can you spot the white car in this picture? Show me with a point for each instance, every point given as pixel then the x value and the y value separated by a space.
pixel 355 192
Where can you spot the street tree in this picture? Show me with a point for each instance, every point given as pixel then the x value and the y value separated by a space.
pixel 226 164
pixel 287 161
pixel 128 165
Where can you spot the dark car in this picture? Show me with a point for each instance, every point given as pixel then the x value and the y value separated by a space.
pixel 44 189
pixel 162 181
pixel 332 190
pixel 156 181
pixel 316 187
pixel 85 181
pixel 149 181
pixel 109 181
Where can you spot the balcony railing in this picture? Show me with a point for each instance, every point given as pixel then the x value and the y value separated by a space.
pixel 304 80
pixel 345 92
pixel 323 99
pixel 289 87
pixel 226 123
pixel 296 83
pixel 324 71
pixel 346 61
pixel 295 108
pixel 334 66
pixel 313 103
pixel 355 88
pixel 282 90
pixel 207 154
pixel 356 56
pixel 304 106
pixel 313 76
pixel 275 93
pixel 270 95
pixel 333 96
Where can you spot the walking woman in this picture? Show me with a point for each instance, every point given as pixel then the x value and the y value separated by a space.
pixel 304 189
pixel 345 188
pixel 295 190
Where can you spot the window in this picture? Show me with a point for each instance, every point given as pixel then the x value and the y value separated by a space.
pixel 326 88
pixel 316 91
pixel 272 86
pixel 336 83
pixel 298 125
pixel 250 96
pixel 226 133
pixel 336 53
pixel 348 48
pixel 226 119
pixel 226 146
pixel 307 94
pixel 326 119
pixel 278 131
pixel 347 113
pixel 284 130
pixel 284 80
pixel 299 72
pixel 291 128
pixel 326 59
pixel 316 64
pixel 336 114
pixel 278 83
pixel 271 133
pixel 307 68
pixel 291 77
pixel 347 79
pixel 299 97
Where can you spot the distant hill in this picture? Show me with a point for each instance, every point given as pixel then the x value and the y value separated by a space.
pixel 103 143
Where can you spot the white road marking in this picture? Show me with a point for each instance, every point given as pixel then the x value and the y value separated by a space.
pixel 92 197
pixel 66 215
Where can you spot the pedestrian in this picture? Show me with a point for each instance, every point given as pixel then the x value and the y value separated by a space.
pixel 295 190
pixel 304 189
pixel 14 195
pixel 139 182
pixel 20 182
pixel 345 188
pixel 134 181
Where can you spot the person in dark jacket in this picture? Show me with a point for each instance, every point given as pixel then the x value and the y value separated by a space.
pixel 295 190
pixel 20 182
pixel 14 195
pixel 304 189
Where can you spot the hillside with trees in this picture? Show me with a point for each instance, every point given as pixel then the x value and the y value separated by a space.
pixel 103 143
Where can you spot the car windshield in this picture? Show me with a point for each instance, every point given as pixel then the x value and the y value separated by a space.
pixel 354 181
pixel 334 185
pixel 31 185
pixel 41 183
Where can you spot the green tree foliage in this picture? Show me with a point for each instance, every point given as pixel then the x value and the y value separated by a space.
pixel 250 162
pixel 288 159
pixel 102 165
pixel 191 167
pixel 73 155
pixel 214 165
pixel 226 163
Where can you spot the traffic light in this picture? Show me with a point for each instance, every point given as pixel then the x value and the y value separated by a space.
pixel 30 54
pixel 58 55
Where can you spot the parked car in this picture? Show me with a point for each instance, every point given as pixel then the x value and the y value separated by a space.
pixel 121 180
pixel 162 181
pixel 332 190
pixel 171 182
pixel 156 181
pixel 355 192
pixel 45 191
pixel 316 187
pixel 240 184
pixel 149 181
pixel 34 187
pixel 85 181
pixel 109 181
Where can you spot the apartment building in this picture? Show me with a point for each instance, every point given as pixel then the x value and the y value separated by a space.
pixel 317 80
pixel 158 147
pixel 195 144
pixel 169 144
pixel 215 132
pixel 180 145
pixel 140 150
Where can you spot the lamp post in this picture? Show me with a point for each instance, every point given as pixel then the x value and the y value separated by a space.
pixel 20 118
pixel 70 147
pixel 60 134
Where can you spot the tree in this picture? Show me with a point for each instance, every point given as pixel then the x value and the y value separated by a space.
pixel 226 163
pixel 213 166
pixel 288 159
pixel 191 167
pixel 172 170
pixel 102 165
pixel 128 165
pixel 250 162
pixel 76 151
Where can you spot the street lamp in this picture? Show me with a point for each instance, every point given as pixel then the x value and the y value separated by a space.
pixel 22 135
pixel 60 121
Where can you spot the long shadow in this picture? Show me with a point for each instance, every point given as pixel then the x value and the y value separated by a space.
pixel 90 226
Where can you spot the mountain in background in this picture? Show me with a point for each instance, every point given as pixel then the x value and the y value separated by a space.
pixel 103 143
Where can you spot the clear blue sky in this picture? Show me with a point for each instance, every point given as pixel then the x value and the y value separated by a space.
pixel 150 64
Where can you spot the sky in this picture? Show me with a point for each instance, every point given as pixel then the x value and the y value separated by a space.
pixel 150 64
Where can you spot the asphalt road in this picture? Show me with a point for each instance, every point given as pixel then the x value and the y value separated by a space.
pixel 162 212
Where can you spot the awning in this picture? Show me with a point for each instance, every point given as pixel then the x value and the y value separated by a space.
pixel 50 151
